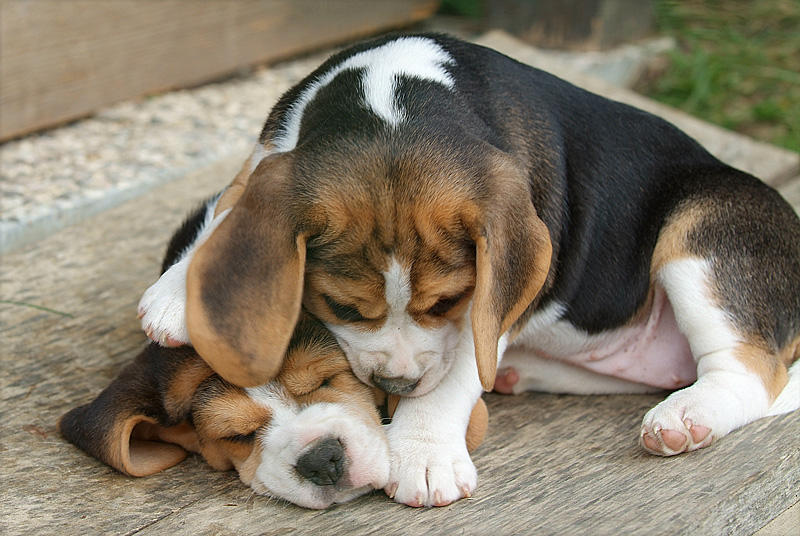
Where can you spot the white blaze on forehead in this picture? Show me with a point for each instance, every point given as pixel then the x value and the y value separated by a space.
pixel 415 57
pixel 397 287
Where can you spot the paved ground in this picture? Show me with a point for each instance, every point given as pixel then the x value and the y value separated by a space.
pixel 550 464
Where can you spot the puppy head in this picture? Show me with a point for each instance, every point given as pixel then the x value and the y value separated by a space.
pixel 311 436
pixel 410 248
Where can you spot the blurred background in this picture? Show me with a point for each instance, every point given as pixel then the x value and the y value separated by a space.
pixel 735 63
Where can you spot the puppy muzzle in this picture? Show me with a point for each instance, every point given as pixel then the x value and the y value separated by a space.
pixel 395 386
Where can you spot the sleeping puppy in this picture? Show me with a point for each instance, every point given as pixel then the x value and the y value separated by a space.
pixel 436 203
pixel 311 435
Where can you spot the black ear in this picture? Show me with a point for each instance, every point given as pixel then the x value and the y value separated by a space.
pixel 138 424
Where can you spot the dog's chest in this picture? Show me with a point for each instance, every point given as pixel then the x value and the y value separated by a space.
pixel 651 351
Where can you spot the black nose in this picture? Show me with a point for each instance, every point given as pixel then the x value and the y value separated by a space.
pixel 322 463
pixel 394 386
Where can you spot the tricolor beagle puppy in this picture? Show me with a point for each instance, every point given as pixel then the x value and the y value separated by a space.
pixel 312 435
pixel 439 205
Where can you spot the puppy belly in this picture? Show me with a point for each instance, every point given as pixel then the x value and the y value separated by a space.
pixel 653 353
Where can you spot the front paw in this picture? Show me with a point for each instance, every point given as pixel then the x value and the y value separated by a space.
pixel 162 308
pixel 430 474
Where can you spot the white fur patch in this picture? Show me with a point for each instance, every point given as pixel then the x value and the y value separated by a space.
pixel 162 307
pixel 397 288
pixel 698 317
pixel 415 57
pixel 292 429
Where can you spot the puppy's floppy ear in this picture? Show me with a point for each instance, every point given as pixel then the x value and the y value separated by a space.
pixel 138 424
pixel 513 250
pixel 245 283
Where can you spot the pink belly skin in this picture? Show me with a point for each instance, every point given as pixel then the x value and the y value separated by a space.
pixel 653 353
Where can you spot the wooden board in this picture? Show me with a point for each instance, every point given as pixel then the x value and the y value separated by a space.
pixel 62 59
pixel 550 464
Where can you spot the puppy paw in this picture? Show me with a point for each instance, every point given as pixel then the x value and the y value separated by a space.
pixel 430 474
pixel 505 380
pixel 678 424
pixel 162 308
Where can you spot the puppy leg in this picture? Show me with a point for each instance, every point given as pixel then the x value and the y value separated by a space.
pixel 162 308
pixel 430 464
pixel 738 379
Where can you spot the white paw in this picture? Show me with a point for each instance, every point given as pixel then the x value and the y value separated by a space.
pixel 162 308
pixel 429 474
pixel 683 422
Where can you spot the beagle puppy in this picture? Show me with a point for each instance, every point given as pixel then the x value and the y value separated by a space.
pixel 439 205
pixel 312 435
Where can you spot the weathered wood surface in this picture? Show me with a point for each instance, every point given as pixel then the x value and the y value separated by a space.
pixel 551 464
pixel 61 59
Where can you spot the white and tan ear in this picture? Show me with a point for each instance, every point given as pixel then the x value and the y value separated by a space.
pixel 513 251
pixel 244 285
pixel 138 424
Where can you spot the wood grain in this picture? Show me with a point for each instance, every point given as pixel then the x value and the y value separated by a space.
pixel 62 59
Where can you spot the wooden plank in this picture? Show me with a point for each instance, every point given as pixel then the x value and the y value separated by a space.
pixel 62 59
pixel 550 464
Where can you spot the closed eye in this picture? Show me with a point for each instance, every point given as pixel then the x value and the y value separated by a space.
pixel 348 313
pixel 444 304
pixel 242 438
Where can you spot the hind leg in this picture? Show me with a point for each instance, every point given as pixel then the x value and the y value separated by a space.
pixel 738 379
pixel 523 371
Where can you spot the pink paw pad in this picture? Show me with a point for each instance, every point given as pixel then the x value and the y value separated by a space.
pixel 674 440
pixel 666 442
pixel 699 433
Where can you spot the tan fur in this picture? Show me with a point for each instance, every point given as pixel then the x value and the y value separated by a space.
pixel 671 243
pixel 771 368
pixel 178 397
pixel 228 414
pixel 136 448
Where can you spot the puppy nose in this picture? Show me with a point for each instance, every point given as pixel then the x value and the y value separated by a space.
pixel 322 464
pixel 394 386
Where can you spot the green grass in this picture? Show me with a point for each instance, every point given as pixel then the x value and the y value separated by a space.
pixel 737 64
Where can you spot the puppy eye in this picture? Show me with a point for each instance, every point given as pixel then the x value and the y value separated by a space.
pixel 444 304
pixel 242 438
pixel 348 313
pixel 325 383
